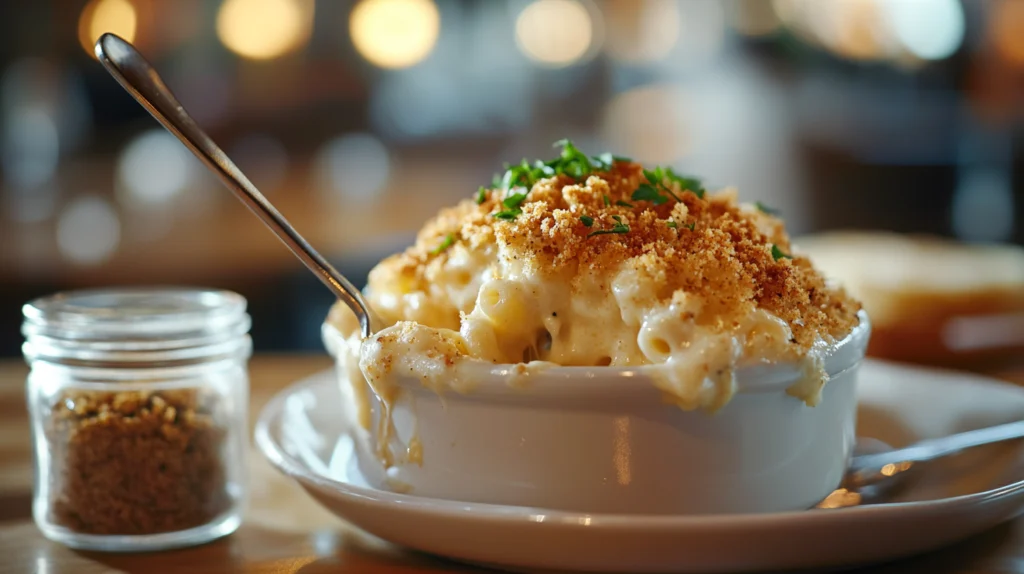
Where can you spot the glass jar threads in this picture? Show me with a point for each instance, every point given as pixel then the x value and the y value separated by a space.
pixel 138 402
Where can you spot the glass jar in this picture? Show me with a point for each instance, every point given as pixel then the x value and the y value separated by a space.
pixel 138 402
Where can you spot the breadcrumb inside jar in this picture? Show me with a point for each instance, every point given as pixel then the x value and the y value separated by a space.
pixel 138 401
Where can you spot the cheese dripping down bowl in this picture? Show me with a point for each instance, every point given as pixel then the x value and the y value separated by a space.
pixel 588 334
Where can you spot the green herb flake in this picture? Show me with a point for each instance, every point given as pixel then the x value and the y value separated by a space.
pixel 577 165
pixel 573 162
pixel 657 177
pixel 691 225
pixel 587 221
pixel 511 204
pixel 765 209
pixel 508 179
pixel 646 192
pixel 619 227
pixel 686 183
pixel 779 254
pixel 542 168
pixel 607 160
pixel 672 224
pixel 481 195
pixel 449 240
pixel 513 201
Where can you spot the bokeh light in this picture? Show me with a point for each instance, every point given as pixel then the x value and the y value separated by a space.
pixel 394 33
pixel 264 29
pixel 642 30
pixel 982 207
pixel 928 29
pixel 102 16
pixel 754 17
pixel 857 30
pixel 1007 30
pixel 353 166
pixel 648 123
pixel 31 147
pixel 556 33
pixel 154 169
pixel 901 31
pixel 88 231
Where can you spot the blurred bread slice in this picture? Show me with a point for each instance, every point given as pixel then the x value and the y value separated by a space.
pixel 929 299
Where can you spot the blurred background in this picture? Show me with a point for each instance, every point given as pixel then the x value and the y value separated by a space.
pixel 359 119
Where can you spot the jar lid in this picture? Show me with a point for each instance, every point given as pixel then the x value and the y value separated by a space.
pixel 135 324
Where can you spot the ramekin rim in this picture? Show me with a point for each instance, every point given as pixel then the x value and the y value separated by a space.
pixel 751 378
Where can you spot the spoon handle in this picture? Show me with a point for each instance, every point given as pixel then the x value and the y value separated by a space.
pixel 931 449
pixel 140 80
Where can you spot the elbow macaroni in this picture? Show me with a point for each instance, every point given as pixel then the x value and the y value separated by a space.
pixel 689 302
pixel 541 319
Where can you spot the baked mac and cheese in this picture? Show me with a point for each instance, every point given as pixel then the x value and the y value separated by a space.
pixel 598 261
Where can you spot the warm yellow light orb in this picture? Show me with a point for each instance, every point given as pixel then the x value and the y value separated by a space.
pixel 395 33
pixel 555 33
pixel 263 29
pixel 642 30
pixel 102 16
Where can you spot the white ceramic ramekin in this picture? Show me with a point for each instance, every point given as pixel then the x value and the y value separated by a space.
pixel 603 440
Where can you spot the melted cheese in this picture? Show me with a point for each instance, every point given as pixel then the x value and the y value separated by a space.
pixel 541 321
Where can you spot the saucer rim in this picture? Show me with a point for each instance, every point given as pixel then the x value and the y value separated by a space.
pixel 293 468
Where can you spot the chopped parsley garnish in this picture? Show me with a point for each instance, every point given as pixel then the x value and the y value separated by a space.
pixel 765 209
pixel 514 201
pixel 691 225
pixel 449 240
pixel 607 161
pixel 658 175
pixel 577 165
pixel 779 254
pixel 672 224
pixel 571 161
pixel 686 183
pixel 647 192
pixel 511 204
pixel 619 227
pixel 587 220
pixel 522 175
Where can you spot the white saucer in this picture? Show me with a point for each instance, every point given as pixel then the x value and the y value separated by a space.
pixel 299 432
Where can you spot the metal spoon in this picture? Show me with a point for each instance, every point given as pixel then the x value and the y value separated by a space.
pixel 876 469
pixel 140 80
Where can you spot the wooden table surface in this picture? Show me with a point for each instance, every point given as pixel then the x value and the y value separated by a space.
pixel 286 532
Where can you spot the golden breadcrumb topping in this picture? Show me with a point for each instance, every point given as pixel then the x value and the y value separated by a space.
pixel 735 257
